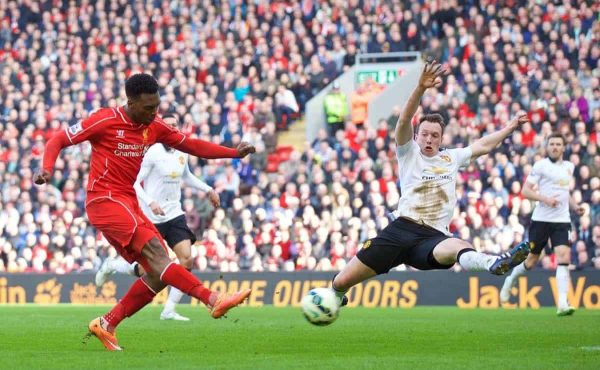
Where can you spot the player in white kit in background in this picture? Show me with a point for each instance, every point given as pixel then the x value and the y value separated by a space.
pixel 163 171
pixel 550 219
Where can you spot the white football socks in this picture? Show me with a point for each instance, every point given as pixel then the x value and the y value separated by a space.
pixel 563 279
pixel 515 273
pixel 518 271
pixel 511 280
pixel 339 294
pixel 175 296
pixel 472 260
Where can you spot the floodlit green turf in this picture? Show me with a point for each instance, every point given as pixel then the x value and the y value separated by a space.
pixel 279 338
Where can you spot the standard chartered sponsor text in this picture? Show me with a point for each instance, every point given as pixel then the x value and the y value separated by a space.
pixel 130 150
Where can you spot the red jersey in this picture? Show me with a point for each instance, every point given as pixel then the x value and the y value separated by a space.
pixel 119 145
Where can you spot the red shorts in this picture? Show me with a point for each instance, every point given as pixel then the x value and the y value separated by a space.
pixel 123 224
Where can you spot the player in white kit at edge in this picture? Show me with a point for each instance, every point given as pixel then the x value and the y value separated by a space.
pixel 550 219
pixel 163 171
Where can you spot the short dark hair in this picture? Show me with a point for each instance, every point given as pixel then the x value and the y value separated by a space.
pixel 141 83
pixel 556 135
pixel 431 117
pixel 171 115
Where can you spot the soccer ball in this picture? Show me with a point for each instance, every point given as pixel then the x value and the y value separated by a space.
pixel 320 306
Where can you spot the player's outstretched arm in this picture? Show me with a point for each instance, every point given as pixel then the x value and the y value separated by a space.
pixel 51 151
pixel 430 77
pixel 199 148
pixel 487 143
pixel 191 180
pixel 206 149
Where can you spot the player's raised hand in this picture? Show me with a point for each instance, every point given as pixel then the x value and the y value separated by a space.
pixel 244 149
pixel 213 196
pixel 41 178
pixel 431 75
pixel 518 120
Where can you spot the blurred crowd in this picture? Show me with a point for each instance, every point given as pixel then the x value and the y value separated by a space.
pixel 244 70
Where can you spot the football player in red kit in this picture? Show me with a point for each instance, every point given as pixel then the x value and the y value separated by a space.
pixel 120 137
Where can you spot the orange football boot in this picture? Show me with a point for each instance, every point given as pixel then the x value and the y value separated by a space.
pixel 225 302
pixel 109 340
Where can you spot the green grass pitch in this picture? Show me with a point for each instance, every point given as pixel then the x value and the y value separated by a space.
pixel 34 337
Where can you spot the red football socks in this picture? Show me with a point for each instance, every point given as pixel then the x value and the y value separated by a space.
pixel 177 276
pixel 139 295
pixel 134 300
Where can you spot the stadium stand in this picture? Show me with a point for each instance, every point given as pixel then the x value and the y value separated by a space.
pixel 221 67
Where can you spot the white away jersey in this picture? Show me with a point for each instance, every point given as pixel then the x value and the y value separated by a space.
pixel 428 185
pixel 553 180
pixel 162 172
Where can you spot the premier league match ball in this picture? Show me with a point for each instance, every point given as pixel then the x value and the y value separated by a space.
pixel 320 306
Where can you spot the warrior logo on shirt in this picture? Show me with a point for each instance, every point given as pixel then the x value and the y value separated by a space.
pixel 121 133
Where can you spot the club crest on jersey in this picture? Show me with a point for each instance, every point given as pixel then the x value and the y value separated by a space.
pixel 445 158
pixel 75 128
pixel 181 160
pixel 120 133
pixel 367 244
pixel 145 135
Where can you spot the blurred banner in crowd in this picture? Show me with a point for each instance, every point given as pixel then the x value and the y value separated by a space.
pixel 397 289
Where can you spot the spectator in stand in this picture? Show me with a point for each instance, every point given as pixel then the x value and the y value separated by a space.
pixel 285 106
pixel 336 109
pixel 359 100
pixel 359 105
